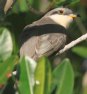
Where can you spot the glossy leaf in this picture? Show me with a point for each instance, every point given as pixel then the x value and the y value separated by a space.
pixel 22 5
pixel 6 69
pixel 43 77
pixel 6 45
pixel 64 78
pixel 26 80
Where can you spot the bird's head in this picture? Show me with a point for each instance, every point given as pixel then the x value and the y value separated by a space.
pixel 62 16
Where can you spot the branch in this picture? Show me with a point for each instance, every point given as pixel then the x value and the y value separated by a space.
pixel 72 44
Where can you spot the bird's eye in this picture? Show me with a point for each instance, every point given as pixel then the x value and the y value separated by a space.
pixel 61 11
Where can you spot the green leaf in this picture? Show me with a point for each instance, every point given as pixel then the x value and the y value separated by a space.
pixel 6 69
pixel 6 46
pixel 81 51
pixel 36 4
pixel 22 5
pixel 26 81
pixel 73 4
pixel 66 2
pixel 43 77
pixel 64 78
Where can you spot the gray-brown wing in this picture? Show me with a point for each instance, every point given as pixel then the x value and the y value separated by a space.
pixel 49 43
pixel 43 45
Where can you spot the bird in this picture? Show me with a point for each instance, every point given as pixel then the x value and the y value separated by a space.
pixel 47 35
pixel 5 5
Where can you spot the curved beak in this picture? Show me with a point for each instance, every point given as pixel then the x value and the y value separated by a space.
pixel 74 16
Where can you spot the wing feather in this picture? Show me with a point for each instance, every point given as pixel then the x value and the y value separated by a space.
pixel 49 43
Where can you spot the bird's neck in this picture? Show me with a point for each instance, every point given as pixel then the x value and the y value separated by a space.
pixel 62 20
